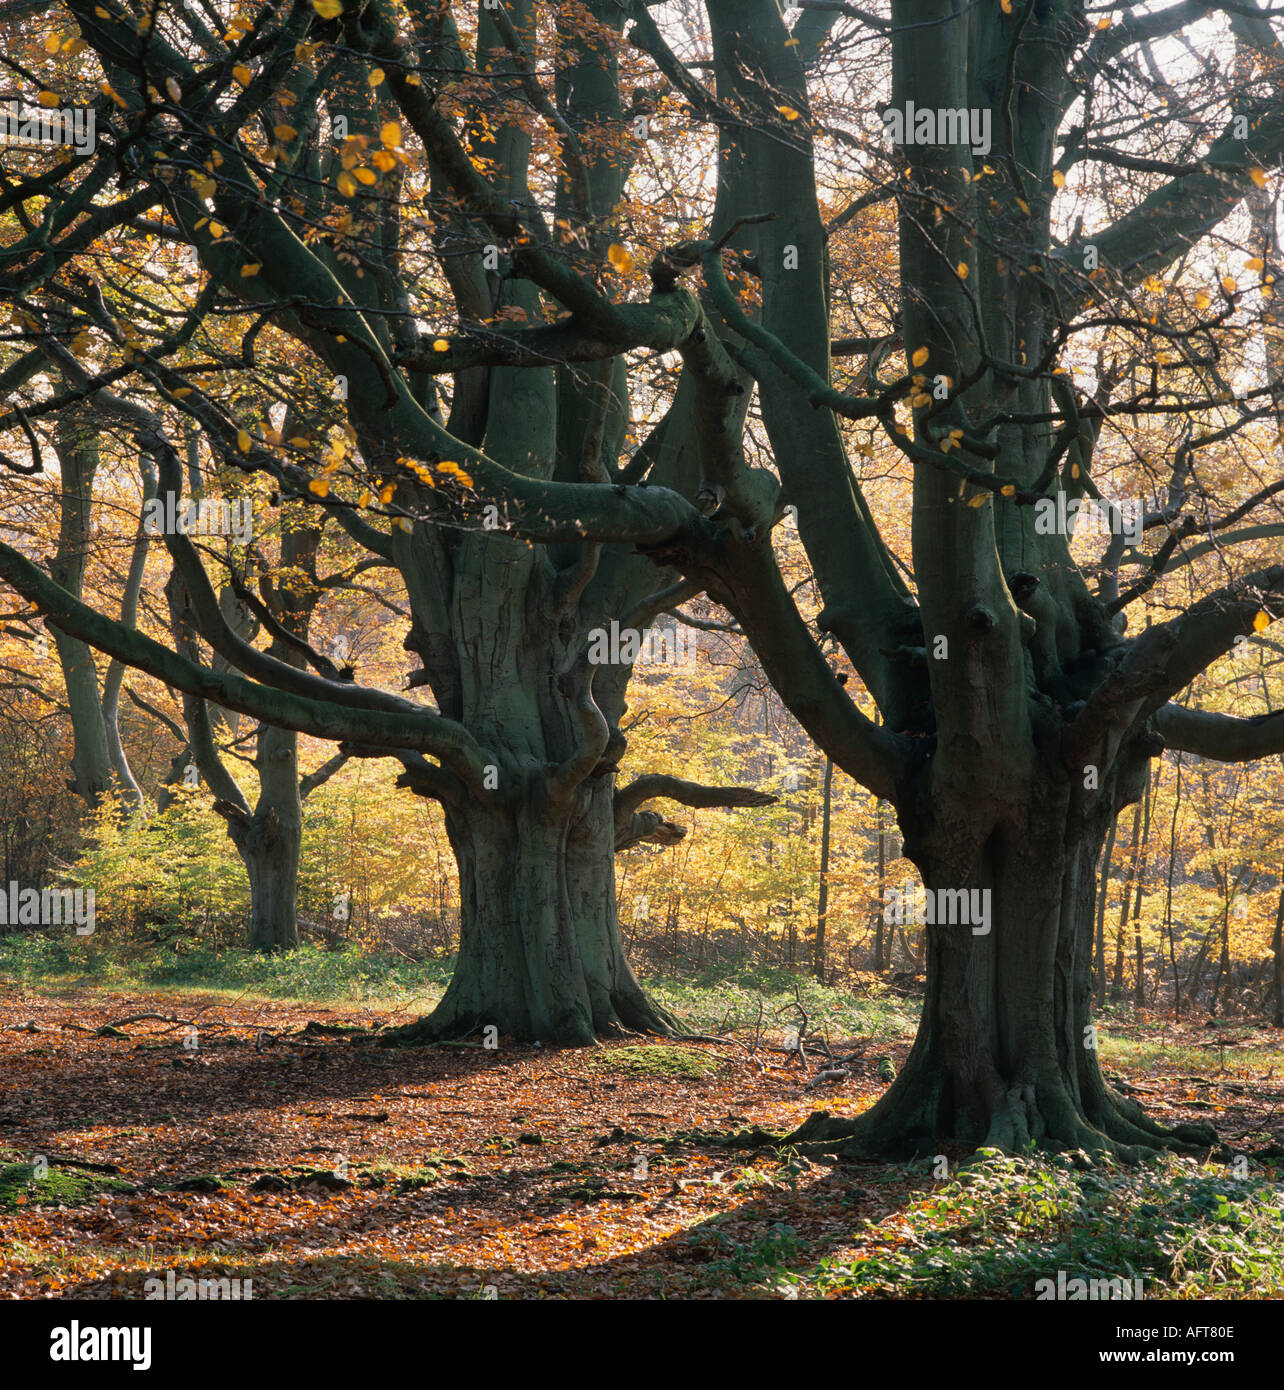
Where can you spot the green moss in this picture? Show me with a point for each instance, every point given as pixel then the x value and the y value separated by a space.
pixel 655 1060
pixel 19 1186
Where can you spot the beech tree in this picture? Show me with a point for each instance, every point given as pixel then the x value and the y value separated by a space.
pixel 429 209
pixel 523 745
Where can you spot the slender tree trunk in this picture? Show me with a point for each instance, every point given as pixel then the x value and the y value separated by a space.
pixel 1147 801
pixel 1103 896
pixel 1116 986
pixel 1277 960
pixel 1168 894
pixel 77 448
pixel 270 842
pixel 822 900
pixel 880 953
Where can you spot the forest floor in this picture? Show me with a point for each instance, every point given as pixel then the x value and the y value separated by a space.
pixel 316 1168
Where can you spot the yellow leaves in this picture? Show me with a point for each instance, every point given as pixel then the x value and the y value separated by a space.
pixel 284 133
pixel 920 356
pixel 319 486
pixel 347 184
pixel 1058 179
pixel 1202 299
pixel 788 112
pixel 1261 621
pixel 375 76
pixel 390 135
pixel 49 99
pixel 1258 176
pixel 619 258
pixel 961 270
pixel 1228 284
pixel 251 268
pixel 243 74
pixel 1255 263
pixel 327 9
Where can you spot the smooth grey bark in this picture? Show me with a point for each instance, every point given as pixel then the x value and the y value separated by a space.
pixel 91 764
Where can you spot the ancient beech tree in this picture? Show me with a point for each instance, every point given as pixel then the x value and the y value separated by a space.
pixel 427 205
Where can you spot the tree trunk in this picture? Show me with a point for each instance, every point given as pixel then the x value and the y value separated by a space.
pixel 1103 898
pixel 1006 1052
pixel 880 952
pixel 1139 985
pixel 1277 961
pixel 269 842
pixel 822 900
pixel 540 955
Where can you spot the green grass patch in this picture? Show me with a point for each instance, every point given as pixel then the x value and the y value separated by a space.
pixel 710 1001
pixel 655 1060
pixel 307 974
pixel 1185 1230
pixel 21 1185
pixel 747 999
